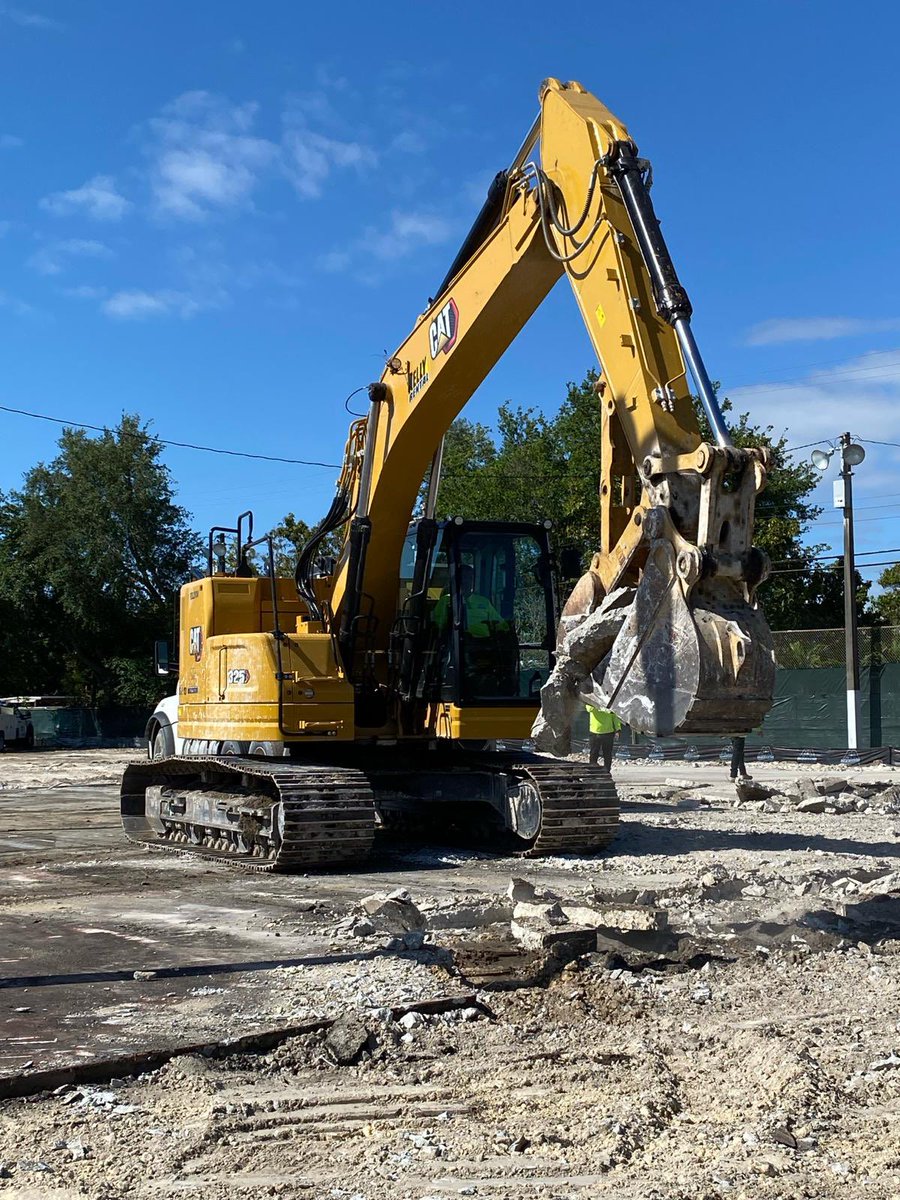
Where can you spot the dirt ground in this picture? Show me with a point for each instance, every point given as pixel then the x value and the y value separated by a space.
pixel 730 1027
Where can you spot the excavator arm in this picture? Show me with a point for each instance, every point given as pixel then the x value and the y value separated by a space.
pixel 664 627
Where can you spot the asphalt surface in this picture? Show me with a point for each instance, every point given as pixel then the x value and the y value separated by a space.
pixel 107 948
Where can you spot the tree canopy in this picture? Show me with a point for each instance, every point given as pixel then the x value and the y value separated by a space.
pixel 888 603
pixel 537 466
pixel 92 548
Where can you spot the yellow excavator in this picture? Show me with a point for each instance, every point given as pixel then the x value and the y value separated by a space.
pixel 372 690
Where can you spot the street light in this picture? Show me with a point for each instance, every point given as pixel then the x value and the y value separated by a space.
pixel 852 454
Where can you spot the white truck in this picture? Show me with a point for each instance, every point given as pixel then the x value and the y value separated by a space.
pixel 16 728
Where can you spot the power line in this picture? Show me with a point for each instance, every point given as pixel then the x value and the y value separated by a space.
pixel 886 562
pixel 874 370
pixel 817 558
pixel 299 462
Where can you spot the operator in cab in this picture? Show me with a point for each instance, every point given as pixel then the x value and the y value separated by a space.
pixel 482 619
pixel 489 647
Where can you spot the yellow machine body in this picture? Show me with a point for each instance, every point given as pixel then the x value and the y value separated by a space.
pixel 228 689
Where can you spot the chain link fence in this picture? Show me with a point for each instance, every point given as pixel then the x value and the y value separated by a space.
pixel 799 649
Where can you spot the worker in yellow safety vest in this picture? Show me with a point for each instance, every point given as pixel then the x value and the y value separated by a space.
pixel 602 735
pixel 482 619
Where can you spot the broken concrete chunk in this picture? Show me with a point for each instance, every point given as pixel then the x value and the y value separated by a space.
pixel 889 799
pixel 714 873
pixel 754 889
pixel 748 790
pixel 534 934
pixel 632 918
pixel 540 911
pixel 832 787
pixel 363 928
pixel 521 889
pixel 812 804
pixel 395 913
pixel 413 939
pixel 346 1040
pixel 883 885
pixel 472 915
pixel 411 1019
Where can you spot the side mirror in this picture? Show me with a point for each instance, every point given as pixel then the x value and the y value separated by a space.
pixel 570 563
pixel 161 658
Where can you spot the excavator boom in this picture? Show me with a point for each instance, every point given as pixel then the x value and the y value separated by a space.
pixel 679 641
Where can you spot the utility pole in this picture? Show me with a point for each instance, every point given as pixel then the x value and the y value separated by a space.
pixel 852 454
pixel 851 633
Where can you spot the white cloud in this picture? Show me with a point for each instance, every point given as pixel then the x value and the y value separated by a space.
pixel 408 141
pixel 98 198
pixel 816 329
pixel 136 304
pixel 84 292
pixel 204 157
pixel 862 395
pixel 406 233
pixel 52 259
pixel 9 141
pixel 310 157
pixel 14 305
pixel 29 20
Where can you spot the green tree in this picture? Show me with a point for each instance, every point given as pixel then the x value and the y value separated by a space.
pixel 888 603
pixel 536 467
pixel 291 535
pixel 92 549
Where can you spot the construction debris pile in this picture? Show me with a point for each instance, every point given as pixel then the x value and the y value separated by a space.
pixel 830 795
pixel 706 1012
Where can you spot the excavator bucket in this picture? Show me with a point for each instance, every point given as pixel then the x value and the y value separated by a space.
pixel 697 664
pixel 684 652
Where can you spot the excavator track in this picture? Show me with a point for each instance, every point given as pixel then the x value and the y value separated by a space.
pixel 579 805
pixel 274 816
pixel 255 813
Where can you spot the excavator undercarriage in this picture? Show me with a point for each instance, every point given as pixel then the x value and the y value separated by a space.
pixel 289 816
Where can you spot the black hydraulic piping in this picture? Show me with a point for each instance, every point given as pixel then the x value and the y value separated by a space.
pixel 672 300
pixel 484 224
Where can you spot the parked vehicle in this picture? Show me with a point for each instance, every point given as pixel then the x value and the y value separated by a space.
pixel 16 728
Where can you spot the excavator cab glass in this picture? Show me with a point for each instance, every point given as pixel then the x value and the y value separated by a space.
pixel 476 601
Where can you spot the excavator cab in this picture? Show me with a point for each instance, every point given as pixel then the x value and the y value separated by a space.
pixel 476 614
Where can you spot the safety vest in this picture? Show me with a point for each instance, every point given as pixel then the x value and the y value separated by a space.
pixel 481 617
pixel 602 721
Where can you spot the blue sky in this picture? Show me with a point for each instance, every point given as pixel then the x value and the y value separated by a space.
pixel 221 216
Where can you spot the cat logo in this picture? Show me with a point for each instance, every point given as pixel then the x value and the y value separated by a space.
pixel 443 330
pixel 195 643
